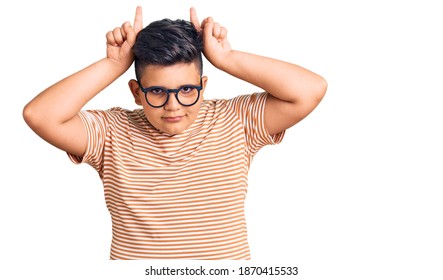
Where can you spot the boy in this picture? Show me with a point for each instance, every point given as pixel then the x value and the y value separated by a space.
pixel 175 171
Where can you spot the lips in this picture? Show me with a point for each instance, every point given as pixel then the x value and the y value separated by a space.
pixel 173 119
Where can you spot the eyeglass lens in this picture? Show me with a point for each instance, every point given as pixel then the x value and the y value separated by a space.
pixel 187 95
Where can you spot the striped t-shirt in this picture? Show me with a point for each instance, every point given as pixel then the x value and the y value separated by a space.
pixel 177 196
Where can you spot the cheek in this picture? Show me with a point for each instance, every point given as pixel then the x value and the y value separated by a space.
pixel 193 111
pixel 151 115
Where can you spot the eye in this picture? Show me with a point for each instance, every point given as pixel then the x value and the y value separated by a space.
pixel 157 91
pixel 186 89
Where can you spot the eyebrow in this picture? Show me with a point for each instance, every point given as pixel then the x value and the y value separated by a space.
pixel 188 84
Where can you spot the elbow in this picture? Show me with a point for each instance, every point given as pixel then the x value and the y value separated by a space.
pixel 317 93
pixel 27 113
pixel 322 88
pixel 31 116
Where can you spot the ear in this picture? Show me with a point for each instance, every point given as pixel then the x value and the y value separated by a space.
pixel 204 82
pixel 133 86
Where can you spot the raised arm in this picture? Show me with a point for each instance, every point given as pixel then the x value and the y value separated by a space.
pixel 294 91
pixel 53 114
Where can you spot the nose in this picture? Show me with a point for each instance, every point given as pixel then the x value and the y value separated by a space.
pixel 172 104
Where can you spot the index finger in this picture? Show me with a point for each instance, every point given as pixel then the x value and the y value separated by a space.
pixel 138 20
pixel 194 19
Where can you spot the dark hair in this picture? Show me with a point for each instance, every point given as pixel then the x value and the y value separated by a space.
pixel 167 42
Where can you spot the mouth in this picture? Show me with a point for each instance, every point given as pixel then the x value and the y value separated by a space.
pixel 172 119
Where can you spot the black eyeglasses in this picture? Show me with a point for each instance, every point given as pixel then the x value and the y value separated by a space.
pixel 186 95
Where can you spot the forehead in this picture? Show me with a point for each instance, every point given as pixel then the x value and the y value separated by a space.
pixel 171 75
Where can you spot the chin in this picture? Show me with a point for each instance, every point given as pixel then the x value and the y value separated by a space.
pixel 172 130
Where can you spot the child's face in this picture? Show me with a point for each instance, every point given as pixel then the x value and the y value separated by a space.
pixel 172 118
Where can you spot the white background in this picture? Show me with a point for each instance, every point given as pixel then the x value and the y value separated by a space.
pixel 353 192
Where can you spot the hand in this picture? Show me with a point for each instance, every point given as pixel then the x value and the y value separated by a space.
pixel 216 46
pixel 119 41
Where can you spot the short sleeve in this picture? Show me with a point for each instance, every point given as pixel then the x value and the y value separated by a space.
pixel 251 111
pixel 95 123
